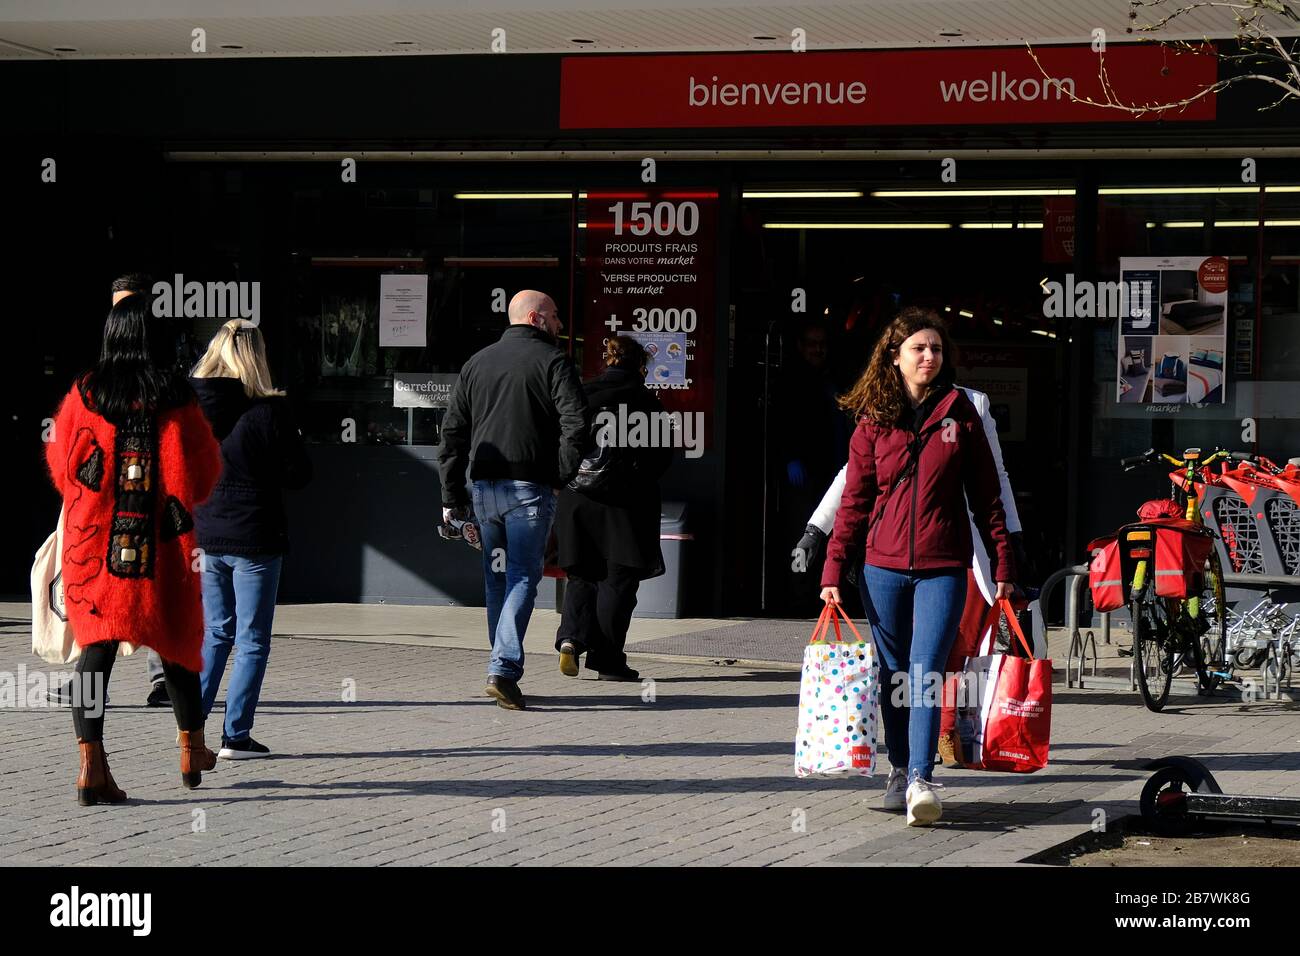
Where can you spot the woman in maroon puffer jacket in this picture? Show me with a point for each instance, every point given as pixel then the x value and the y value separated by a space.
pixel 918 456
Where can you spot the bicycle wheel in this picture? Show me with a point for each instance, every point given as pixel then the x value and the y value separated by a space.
pixel 1153 652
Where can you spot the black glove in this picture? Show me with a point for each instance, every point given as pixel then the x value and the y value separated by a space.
pixel 807 553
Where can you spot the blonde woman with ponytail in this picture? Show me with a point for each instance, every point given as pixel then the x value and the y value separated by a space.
pixel 243 527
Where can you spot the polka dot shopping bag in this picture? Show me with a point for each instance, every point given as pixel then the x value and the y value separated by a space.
pixel 838 700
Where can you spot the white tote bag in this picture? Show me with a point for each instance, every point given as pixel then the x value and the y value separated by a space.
pixel 838 700
pixel 52 639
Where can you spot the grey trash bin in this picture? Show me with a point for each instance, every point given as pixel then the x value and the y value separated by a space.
pixel 662 596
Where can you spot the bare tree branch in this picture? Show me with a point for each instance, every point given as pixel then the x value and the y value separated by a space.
pixel 1258 45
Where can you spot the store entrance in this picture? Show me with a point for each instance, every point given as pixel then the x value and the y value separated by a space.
pixel 818 271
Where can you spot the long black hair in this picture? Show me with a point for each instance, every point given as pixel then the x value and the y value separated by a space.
pixel 135 374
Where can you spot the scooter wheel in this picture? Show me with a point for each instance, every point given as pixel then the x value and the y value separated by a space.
pixel 1164 801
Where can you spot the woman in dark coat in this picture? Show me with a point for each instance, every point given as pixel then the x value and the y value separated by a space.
pixel 243 528
pixel 608 532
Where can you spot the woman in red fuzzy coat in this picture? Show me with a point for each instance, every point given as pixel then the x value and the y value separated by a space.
pixel 132 454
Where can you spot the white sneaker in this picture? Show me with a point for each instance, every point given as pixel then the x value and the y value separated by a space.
pixel 895 790
pixel 923 806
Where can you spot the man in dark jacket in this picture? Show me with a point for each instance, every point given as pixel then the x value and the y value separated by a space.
pixel 516 426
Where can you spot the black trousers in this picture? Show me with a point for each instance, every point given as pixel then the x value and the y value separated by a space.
pixel 94 667
pixel 597 615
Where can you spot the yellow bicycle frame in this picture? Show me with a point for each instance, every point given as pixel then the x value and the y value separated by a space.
pixel 1192 513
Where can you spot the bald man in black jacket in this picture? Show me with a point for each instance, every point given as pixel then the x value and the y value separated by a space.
pixel 513 434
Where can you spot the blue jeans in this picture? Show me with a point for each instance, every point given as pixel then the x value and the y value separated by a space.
pixel 238 605
pixel 514 522
pixel 914 617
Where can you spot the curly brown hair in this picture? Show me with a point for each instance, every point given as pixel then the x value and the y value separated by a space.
pixel 625 352
pixel 880 394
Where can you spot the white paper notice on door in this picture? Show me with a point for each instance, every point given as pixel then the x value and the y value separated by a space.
pixel 403 310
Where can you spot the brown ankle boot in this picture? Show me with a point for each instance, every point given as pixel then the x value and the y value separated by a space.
pixel 94 782
pixel 210 760
pixel 950 749
pixel 195 758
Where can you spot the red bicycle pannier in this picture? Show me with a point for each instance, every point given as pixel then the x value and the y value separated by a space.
pixel 1105 579
pixel 1180 559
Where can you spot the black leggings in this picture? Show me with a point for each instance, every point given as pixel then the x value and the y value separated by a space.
pixel 94 667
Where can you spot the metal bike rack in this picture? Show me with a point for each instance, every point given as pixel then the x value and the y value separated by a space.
pixel 1267 582
pixel 1082 645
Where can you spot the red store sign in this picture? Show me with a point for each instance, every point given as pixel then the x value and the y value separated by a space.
pixel 650 273
pixel 877 88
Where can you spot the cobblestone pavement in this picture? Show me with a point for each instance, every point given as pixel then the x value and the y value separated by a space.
pixel 694 769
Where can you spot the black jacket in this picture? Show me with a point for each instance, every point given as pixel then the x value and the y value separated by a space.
pixel 262 454
pixel 620 524
pixel 517 412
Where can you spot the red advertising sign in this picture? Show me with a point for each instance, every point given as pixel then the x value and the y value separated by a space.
pixel 1213 274
pixel 1058 229
pixel 650 274
pixel 878 88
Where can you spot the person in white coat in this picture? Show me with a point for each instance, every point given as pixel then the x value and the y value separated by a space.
pixel 978 598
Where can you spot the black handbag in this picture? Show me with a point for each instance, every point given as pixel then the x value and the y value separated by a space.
pixel 602 469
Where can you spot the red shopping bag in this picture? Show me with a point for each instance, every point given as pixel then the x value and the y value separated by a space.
pixel 1004 706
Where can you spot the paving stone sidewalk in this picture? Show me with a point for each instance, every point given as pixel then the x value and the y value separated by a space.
pixel 422 769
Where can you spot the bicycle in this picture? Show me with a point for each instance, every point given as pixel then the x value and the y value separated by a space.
pixel 1179 621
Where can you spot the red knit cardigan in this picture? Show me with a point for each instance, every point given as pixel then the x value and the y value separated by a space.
pixel 129 552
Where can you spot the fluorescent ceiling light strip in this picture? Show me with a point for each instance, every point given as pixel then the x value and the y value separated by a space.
pixel 1192 190
pixel 818 194
pixel 857 225
pixel 1000 225
pixel 512 195
pixel 1229 224
pixel 1174 190
pixel 966 193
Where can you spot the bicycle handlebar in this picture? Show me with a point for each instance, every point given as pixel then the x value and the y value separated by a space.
pixel 1151 455
pixel 1134 460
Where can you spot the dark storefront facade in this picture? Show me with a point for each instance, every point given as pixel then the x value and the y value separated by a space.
pixel 498 173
